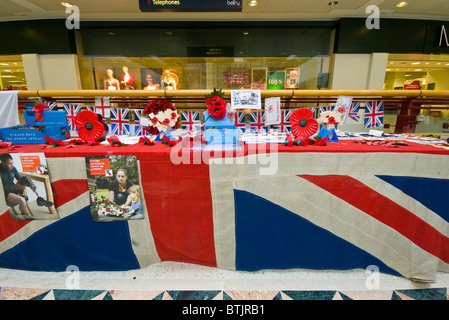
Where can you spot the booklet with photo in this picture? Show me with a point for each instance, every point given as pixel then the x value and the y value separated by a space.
pixel 26 186
pixel 114 188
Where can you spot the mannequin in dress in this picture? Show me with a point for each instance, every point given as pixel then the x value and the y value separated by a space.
pixel 127 79
pixel 168 83
pixel 111 83
pixel 151 85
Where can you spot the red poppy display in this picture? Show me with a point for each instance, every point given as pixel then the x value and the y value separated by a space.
pixel 90 129
pixel 303 123
pixel 216 107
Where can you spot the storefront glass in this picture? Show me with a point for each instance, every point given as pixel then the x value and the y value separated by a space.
pixel 419 72
pixel 206 73
pixel 12 75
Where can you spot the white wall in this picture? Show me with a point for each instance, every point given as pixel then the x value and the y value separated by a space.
pixel 51 71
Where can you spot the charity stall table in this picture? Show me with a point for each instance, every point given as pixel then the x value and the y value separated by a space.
pixel 337 206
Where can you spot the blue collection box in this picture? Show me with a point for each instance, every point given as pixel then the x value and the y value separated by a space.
pixel 55 126
pixel 221 131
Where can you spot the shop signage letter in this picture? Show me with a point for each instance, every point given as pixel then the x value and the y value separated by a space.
pixel 373 21
pixel 443 33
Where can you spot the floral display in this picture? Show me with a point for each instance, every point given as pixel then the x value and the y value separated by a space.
pixel 162 116
pixel 303 123
pixel 216 106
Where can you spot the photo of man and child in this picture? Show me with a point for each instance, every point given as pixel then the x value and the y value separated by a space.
pixel 114 188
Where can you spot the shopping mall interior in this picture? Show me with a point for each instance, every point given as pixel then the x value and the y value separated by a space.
pixel 263 44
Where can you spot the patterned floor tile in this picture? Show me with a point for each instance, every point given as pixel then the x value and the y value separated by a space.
pixel 193 295
pixel 310 295
pixel 252 295
pixel 425 294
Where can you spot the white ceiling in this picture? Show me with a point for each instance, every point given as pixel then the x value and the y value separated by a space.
pixel 281 10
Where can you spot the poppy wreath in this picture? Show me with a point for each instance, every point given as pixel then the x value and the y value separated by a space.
pixel 162 115
pixel 329 119
pixel 216 106
pixel 303 123
pixel 90 126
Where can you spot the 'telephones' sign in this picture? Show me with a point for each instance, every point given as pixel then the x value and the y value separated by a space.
pixel 190 5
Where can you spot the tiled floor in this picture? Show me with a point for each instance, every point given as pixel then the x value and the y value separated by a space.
pixel 181 281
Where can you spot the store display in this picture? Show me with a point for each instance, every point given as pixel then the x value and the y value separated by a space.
pixel 169 81
pixel 111 83
pixel 127 80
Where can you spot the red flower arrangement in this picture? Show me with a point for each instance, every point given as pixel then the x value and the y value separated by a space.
pixel 162 114
pixel 90 127
pixel 54 142
pixel 303 123
pixel 145 140
pixel 216 106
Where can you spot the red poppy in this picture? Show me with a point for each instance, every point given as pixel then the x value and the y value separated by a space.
pixel 54 142
pixel 173 115
pixel 154 121
pixel 331 120
pixel 166 122
pixel 4 144
pixel 39 116
pixel 89 128
pixel 39 108
pixel 114 141
pixel 78 141
pixel 230 115
pixel 303 123
pixel 341 109
pixel 216 107
pixel 145 140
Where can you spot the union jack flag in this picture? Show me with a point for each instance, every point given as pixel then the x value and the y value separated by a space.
pixel 285 125
pixel 71 111
pixel 257 121
pixel 341 207
pixel 138 130
pixel 239 121
pixel 120 121
pixel 190 120
pixel 327 108
pixel 50 105
pixel 353 111
pixel 374 114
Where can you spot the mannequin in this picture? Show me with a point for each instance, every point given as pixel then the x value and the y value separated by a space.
pixel 168 83
pixel 127 79
pixel 111 83
pixel 151 85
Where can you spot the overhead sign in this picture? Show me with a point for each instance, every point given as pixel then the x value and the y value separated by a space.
pixel 190 5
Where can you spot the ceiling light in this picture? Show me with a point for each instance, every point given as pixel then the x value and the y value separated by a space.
pixel 415 62
pixel 252 3
pixel 401 4
pixel 333 3
pixel 246 33
pixel 418 70
pixel 67 4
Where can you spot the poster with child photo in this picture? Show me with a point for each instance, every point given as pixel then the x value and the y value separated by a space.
pixel 114 188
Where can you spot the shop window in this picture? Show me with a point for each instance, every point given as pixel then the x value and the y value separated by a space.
pixel 12 75
pixel 204 73
pixel 419 72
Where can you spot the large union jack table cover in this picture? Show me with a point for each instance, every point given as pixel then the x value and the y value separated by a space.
pixel 340 206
